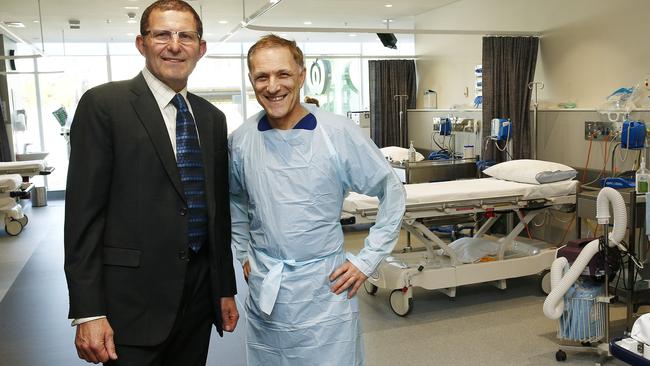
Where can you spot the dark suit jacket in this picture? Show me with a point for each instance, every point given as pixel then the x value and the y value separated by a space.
pixel 126 215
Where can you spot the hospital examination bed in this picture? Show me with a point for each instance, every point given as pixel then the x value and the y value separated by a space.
pixel 15 185
pixel 12 188
pixel 439 267
pixel 26 169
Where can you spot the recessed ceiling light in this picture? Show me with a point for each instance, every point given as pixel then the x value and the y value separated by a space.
pixel 15 24
pixel 273 1
pixel 223 22
pixel 131 16
pixel 307 23
pixel 131 7
pixel 389 5
pixel 35 21
pixel 387 20
pixel 352 35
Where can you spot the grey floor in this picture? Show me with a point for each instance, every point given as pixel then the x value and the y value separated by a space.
pixel 483 325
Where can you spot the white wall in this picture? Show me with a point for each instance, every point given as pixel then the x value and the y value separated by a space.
pixel 588 48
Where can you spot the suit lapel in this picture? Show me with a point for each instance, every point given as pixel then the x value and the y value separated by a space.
pixel 149 115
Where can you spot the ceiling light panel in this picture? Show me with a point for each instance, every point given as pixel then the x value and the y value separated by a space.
pixel 15 24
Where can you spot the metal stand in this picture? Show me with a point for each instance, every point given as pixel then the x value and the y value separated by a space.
pixel 601 347
pixel 401 100
pixel 534 86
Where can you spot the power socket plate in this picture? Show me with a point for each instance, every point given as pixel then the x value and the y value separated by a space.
pixel 599 131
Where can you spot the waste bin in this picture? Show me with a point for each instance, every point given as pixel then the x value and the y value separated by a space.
pixel 39 197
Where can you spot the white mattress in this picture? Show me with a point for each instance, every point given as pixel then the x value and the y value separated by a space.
pixel 9 167
pixel 463 190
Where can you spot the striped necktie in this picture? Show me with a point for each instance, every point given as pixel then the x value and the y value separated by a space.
pixel 190 166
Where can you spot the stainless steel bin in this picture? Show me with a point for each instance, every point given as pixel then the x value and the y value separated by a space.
pixel 39 197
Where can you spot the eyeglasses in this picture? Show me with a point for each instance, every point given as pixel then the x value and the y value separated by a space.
pixel 165 36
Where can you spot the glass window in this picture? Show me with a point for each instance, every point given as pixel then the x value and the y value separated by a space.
pixel 123 48
pixel 335 82
pixel 22 91
pixel 252 105
pixel 80 73
pixel 126 67
pixel 74 48
pixel 219 81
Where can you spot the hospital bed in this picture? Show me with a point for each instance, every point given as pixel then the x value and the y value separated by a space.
pixel 437 266
pixel 26 169
pixel 12 188
pixel 15 185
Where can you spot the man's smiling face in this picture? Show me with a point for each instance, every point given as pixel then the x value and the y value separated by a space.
pixel 171 62
pixel 277 80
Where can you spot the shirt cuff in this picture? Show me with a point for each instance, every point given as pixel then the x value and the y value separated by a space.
pixel 86 320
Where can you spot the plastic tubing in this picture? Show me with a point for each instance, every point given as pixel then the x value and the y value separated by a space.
pixel 564 276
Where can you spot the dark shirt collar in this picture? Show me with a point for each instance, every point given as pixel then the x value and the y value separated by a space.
pixel 308 122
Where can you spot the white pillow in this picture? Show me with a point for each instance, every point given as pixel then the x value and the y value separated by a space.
pixel 531 171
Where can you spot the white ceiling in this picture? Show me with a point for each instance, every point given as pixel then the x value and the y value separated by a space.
pixel 106 20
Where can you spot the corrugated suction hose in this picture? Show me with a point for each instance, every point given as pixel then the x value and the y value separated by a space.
pixel 564 276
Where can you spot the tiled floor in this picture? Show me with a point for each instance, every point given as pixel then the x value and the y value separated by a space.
pixel 483 325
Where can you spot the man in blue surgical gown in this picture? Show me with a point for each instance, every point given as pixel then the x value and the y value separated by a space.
pixel 291 166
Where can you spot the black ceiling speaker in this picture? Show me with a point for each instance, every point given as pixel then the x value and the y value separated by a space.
pixel 12 62
pixel 388 40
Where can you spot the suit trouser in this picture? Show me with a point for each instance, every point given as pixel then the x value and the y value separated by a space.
pixel 188 341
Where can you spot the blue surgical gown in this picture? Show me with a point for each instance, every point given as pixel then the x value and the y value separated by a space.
pixel 287 189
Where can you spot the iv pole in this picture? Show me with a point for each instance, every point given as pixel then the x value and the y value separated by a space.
pixel 401 99
pixel 534 86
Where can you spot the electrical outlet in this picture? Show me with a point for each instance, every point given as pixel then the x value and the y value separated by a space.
pixel 601 131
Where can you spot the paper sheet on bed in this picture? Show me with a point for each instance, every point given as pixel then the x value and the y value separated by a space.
pixel 469 189
pixel 20 165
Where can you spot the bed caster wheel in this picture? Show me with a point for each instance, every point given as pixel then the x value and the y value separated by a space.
pixel 13 227
pixel 545 281
pixel 560 356
pixel 400 304
pixel 23 221
pixel 369 287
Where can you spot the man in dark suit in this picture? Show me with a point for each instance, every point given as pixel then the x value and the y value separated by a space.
pixel 147 221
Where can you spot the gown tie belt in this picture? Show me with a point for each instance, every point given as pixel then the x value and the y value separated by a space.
pixel 273 279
